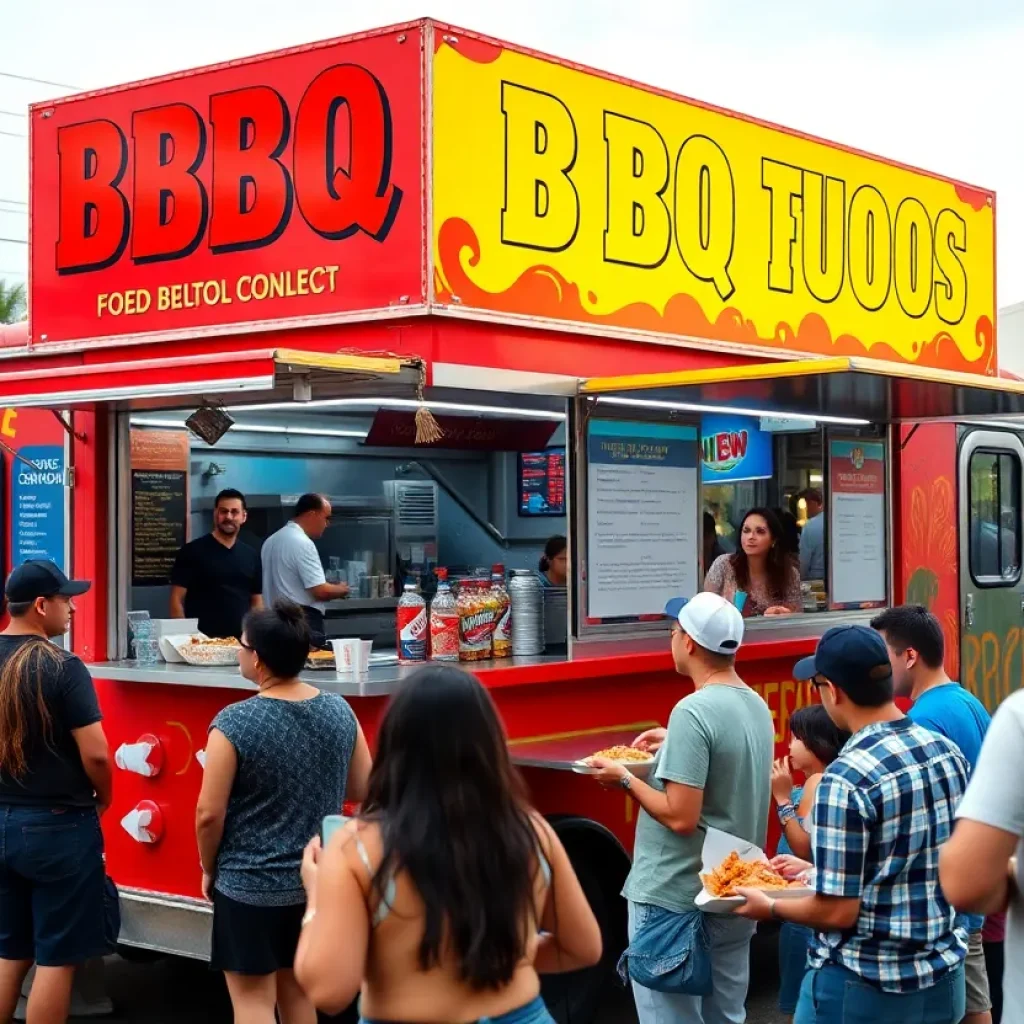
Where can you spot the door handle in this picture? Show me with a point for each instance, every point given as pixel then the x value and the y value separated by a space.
pixel 969 611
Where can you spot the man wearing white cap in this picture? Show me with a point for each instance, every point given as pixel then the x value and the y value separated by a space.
pixel 713 768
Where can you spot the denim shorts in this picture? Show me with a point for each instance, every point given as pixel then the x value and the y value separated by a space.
pixel 534 1012
pixel 793 942
pixel 834 995
pixel 52 885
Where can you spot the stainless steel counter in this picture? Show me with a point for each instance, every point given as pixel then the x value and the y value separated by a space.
pixel 380 681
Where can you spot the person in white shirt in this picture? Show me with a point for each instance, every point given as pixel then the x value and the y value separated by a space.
pixel 978 866
pixel 292 568
pixel 812 538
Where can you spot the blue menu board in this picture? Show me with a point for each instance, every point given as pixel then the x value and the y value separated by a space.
pixel 37 505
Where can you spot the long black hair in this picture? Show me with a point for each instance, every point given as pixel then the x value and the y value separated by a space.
pixel 818 733
pixel 778 565
pixel 453 815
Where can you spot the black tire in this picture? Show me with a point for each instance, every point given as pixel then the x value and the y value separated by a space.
pixel 601 868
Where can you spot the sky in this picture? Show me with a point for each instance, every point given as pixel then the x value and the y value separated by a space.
pixel 934 83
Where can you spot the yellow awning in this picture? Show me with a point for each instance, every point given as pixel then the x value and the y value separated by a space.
pixel 846 387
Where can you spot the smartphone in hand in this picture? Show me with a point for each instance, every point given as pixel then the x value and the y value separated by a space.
pixel 330 825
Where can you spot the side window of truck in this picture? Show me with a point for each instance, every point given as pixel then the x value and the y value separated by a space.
pixel 995 508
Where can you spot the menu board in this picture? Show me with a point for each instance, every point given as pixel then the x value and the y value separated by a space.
pixel 160 509
pixel 642 493
pixel 37 505
pixel 542 483
pixel 857 524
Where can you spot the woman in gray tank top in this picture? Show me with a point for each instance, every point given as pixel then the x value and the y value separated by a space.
pixel 276 765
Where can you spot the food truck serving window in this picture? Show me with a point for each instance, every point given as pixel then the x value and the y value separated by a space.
pixel 399 511
pixel 782 516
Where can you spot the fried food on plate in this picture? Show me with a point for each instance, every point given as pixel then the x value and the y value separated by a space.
pixel 622 753
pixel 734 872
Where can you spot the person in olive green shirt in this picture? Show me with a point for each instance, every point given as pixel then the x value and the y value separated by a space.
pixel 713 769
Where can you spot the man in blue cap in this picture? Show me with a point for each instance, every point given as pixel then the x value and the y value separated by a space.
pixel 887 949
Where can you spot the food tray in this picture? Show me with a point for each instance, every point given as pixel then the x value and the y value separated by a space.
pixel 717 846
pixel 321 664
pixel 641 769
pixel 209 654
pixel 169 645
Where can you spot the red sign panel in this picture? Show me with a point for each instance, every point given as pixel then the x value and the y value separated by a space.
pixel 282 189
pixel 391 429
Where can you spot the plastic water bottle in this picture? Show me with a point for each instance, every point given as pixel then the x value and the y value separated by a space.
pixel 411 624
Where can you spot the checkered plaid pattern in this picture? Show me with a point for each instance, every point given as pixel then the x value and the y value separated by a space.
pixel 881 812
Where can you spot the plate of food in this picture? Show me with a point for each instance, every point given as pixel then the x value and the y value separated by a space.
pixel 729 863
pixel 637 761
pixel 169 644
pixel 210 651
pixel 319 661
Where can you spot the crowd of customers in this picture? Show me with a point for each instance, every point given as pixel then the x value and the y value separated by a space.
pixel 447 896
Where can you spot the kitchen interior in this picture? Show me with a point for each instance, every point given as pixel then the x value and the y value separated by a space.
pixel 491 491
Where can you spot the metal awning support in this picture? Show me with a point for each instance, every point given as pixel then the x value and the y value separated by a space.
pixel 264 375
pixel 847 390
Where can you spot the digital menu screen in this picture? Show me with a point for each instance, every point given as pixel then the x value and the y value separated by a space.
pixel 542 483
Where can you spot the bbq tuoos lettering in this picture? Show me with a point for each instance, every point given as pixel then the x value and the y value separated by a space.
pixel 169 179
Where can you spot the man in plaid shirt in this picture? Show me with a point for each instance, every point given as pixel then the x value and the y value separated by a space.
pixel 887 950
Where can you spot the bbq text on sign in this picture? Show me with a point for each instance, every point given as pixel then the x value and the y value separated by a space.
pixel 580 198
pixel 269 189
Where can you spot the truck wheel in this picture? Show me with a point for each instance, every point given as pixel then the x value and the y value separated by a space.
pixel 601 864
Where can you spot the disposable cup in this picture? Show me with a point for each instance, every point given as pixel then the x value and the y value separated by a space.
pixel 346 654
pixel 363 659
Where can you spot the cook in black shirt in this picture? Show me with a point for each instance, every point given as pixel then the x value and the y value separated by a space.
pixel 218 578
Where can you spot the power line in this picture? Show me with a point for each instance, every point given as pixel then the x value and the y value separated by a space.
pixel 39 81
pixel 14 241
pixel 12 113
pixel 13 202
pixel 15 135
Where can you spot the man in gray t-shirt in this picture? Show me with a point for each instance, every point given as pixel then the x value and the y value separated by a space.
pixel 978 867
pixel 292 569
pixel 713 769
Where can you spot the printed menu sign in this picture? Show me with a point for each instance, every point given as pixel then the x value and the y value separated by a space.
pixel 38 505
pixel 857 524
pixel 641 517
pixel 159 503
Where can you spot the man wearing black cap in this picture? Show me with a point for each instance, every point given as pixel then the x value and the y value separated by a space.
pixel 55 778
pixel 887 949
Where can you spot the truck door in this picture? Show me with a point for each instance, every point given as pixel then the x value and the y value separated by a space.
pixel 991 587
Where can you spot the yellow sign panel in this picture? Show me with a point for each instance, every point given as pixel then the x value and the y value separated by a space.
pixel 570 196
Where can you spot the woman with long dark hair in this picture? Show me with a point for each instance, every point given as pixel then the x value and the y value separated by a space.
pixel 276 765
pixel 448 895
pixel 761 569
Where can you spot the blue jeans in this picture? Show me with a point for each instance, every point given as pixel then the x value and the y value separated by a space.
pixel 532 1013
pixel 730 971
pixel 834 995
pixel 52 885
pixel 793 942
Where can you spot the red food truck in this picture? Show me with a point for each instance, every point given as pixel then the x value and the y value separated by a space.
pixel 633 317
